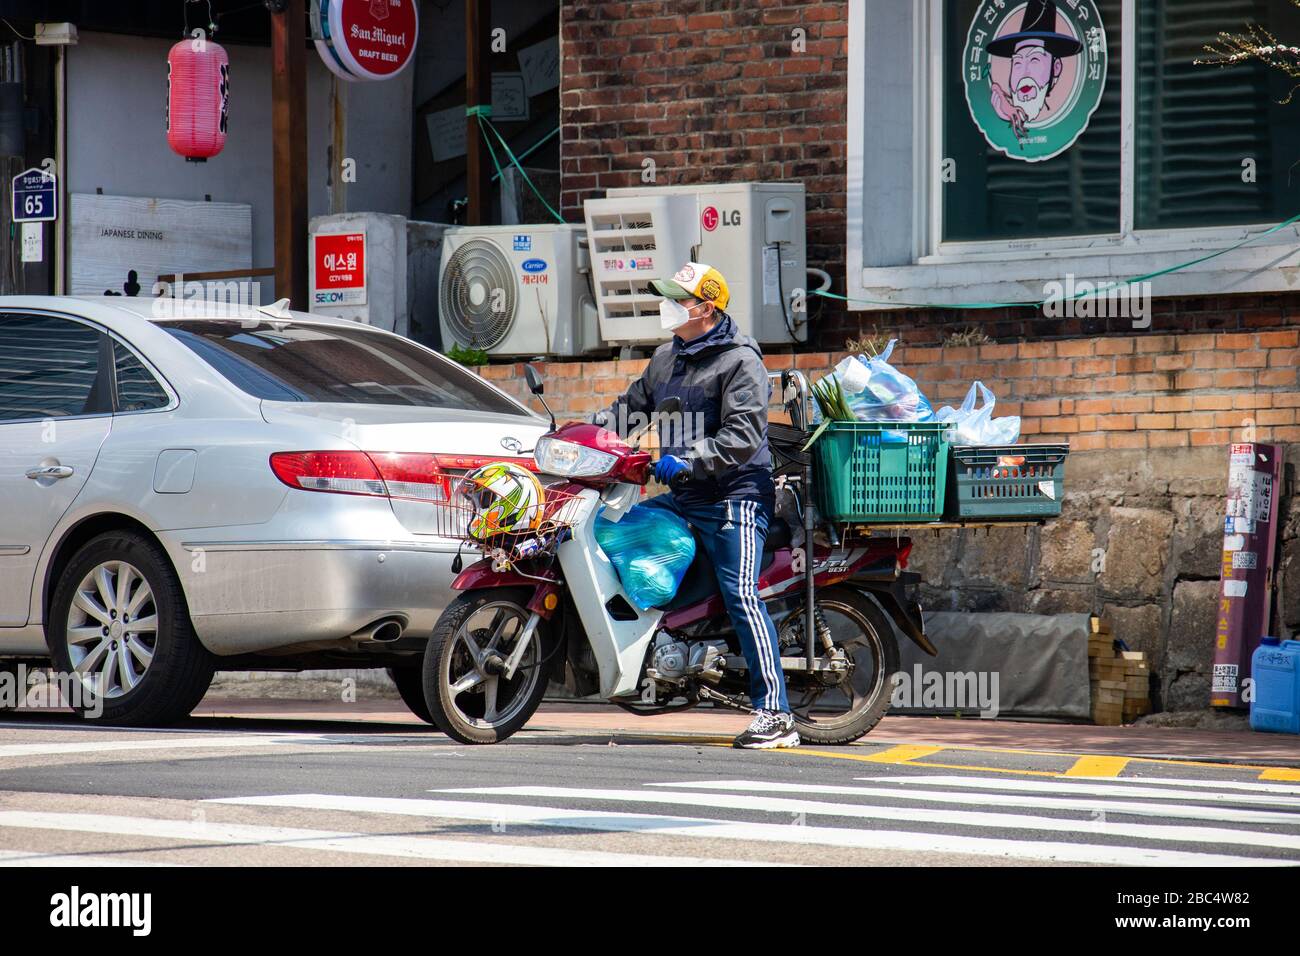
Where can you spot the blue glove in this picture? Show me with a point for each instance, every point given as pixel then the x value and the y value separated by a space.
pixel 668 468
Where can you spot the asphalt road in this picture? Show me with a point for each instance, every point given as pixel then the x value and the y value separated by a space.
pixel 320 793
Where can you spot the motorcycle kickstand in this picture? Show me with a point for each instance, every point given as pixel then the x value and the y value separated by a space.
pixel 706 693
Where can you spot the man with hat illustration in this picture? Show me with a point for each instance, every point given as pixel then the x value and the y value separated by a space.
pixel 1036 51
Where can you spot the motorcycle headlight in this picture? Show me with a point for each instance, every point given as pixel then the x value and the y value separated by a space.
pixel 571 460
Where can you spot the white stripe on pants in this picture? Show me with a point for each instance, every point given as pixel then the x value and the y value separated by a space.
pixel 770 669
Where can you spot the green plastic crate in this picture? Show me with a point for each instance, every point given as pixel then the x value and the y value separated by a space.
pixel 882 471
pixel 1006 481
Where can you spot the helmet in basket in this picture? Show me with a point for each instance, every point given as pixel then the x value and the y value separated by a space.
pixel 504 499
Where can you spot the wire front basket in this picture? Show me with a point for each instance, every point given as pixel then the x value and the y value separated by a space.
pixel 461 519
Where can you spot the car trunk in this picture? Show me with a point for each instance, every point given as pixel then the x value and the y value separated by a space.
pixel 462 440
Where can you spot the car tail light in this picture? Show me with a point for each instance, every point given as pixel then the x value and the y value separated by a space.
pixel 382 474
pixel 470 462
pixel 410 475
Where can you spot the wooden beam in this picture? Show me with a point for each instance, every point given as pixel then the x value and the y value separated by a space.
pixel 289 132
pixel 478 90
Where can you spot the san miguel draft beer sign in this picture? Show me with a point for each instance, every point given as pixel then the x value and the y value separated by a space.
pixel 365 39
pixel 1034 73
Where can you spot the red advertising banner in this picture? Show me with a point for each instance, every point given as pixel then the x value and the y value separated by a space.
pixel 338 264
pixel 1246 579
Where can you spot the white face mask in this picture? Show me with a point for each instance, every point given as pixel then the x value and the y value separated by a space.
pixel 673 314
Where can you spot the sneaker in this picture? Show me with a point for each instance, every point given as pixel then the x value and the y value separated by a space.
pixel 768 730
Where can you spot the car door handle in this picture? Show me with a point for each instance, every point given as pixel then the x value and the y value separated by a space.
pixel 50 471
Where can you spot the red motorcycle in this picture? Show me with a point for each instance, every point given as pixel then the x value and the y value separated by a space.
pixel 547 605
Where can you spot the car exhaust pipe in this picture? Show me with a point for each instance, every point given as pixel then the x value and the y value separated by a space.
pixel 382 632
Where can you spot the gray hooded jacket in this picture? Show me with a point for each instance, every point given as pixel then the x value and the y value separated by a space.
pixel 722 384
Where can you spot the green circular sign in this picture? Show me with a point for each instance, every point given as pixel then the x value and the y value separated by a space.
pixel 1034 73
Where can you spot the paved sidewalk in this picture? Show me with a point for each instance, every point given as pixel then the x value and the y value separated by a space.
pixel 1217 746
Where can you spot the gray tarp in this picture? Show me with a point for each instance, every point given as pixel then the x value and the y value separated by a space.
pixel 1026 665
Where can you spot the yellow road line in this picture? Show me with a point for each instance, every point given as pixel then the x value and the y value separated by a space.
pixel 871 758
pixel 1285 773
pixel 1097 766
pixel 1085 765
pixel 901 753
pixel 1281 773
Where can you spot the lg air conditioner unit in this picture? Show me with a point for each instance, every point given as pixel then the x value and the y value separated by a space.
pixel 517 291
pixel 753 233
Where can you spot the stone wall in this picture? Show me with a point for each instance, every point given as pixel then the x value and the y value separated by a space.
pixel 1138 542
pixel 1148 419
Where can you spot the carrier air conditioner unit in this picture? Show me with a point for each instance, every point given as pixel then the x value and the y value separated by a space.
pixel 517 290
pixel 753 233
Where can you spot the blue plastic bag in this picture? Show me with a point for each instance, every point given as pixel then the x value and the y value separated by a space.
pixel 878 392
pixel 650 548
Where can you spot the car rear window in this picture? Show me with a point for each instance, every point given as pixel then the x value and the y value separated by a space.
pixel 285 362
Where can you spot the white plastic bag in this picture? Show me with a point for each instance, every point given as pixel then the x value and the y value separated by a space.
pixel 876 391
pixel 977 426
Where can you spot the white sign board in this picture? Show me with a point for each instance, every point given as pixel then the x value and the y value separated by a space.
pixel 509 101
pixel 447 133
pixel 33 241
pixel 447 127
pixel 540 64
pixel 112 235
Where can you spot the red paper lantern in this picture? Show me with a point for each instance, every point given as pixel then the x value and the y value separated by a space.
pixel 198 94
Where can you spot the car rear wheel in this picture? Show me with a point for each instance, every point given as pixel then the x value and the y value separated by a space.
pixel 119 625
pixel 410 687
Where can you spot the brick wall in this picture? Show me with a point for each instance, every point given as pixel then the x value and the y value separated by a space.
pixel 1135 391
pixel 712 91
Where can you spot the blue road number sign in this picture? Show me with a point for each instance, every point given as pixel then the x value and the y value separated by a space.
pixel 35 195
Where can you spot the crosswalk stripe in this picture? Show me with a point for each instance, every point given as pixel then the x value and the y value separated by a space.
pixel 34 858
pixel 1095 789
pixel 233 742
pixel 712 829
pixel 178 741
pixel 426 848
pixel 1000 821
pixel 968 797
pixel 1251 787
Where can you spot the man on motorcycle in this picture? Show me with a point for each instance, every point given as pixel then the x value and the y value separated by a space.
pixel 718 467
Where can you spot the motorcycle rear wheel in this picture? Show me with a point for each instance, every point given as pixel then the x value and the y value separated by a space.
pixel 843 713
pixel 467 700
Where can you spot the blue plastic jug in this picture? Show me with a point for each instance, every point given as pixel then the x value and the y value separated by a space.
pixel 1275 667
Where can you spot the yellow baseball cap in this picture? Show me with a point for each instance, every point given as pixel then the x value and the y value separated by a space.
pixel 695 280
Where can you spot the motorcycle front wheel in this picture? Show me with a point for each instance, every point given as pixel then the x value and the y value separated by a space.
pixel 841 711
pixel 468 695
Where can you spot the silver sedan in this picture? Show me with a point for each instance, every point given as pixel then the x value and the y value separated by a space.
pixel 185 490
